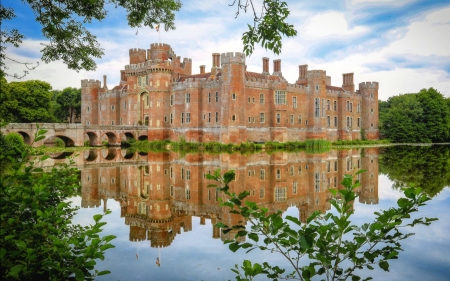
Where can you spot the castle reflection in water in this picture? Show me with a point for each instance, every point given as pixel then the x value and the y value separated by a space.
pixel 159 193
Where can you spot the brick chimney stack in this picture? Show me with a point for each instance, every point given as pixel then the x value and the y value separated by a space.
pixel 202 69
pixel 265 65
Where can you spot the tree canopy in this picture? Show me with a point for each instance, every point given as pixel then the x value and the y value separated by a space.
pixel 417 117
pixel 64 25
pixel 26 101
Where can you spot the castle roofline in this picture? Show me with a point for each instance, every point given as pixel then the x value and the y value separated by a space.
pixel 334 88
pixel 249 74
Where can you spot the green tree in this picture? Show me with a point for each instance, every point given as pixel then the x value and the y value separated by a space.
pixel 37 238
pixel 63 23
pixel 27 101
pixel 436 115
pixel 68 104
pixel 329 241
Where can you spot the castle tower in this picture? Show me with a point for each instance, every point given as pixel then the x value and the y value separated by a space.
pixel 369 110
pixel 232 98
pixel 89 101
pixel 137 55
pixel 369 179
pixel 317 102
pixel 347 82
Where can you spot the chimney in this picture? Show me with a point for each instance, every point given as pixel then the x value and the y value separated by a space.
pixel 265 65
pixel 347 82
pixel 277 66
pixel 303 71
pixel 215 60
pixel 104 82
pixel 202 69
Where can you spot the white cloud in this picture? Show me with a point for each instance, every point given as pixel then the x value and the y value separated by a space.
pixel 328 24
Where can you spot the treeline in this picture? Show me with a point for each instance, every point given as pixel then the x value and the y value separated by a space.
pixel 35 101
pixel 422 117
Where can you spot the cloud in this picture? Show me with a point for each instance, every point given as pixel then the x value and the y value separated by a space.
pixel 331 24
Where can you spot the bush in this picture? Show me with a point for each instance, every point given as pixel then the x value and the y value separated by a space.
pixel 38 240
pixel 14 141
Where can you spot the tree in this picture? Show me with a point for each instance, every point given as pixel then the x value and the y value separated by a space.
pixel 417 117
pixel 63 23
pixel 37 238
pixel 27 101
pixel 69 104
pixel 324 239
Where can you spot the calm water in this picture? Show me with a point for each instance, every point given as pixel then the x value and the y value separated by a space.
pixel 163 210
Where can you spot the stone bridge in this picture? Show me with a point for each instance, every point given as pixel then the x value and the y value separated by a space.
pixel 77 134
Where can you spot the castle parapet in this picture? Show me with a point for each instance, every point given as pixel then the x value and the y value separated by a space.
pixel 231 57
pixel 90 83
pixel 368 85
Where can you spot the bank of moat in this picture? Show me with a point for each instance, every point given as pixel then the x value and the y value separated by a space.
pixel 230 104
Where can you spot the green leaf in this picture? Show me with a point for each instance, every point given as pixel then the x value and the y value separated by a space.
pixel 79 275
pixel 253 236
pixel 104 272
pixel 234 246
pixel 384 265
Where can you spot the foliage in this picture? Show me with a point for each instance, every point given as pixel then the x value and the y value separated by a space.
pixel 63 24
pixel 27 101
pixel 13 142
pixel 329 241
pixel 68 104
pixel 268 27
pixel 427 166
pixel 38 241
pixel 422 117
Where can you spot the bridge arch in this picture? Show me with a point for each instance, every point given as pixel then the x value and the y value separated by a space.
pixel 68 141
pixel 143 137
pixel 90 156
pixel 110 137
pixel 92 137
pixel 26 137
pixel 127 154
pixel 109 154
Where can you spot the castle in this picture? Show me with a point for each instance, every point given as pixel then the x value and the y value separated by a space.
pixel 230 104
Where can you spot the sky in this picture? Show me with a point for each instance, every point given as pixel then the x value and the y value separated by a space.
pixel 402 44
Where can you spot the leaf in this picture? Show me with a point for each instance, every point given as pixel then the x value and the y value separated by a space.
pixel 384 265
pixel 104 272
pixel 253 236
pixel 234 247
pixel 79 275
pixel 293 219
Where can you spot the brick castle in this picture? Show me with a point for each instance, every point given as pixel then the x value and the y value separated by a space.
pixel 230 104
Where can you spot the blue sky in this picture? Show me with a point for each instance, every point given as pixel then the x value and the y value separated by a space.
pixel 402 44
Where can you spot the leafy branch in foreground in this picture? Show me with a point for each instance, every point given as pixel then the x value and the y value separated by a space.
pixel 37 238
pixel 335 248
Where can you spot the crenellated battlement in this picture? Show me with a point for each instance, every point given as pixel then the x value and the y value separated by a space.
pixel 317 74
pixel 136 51
pixel 231 57
pixel 368 85
pixel 90 83
pixel 162 46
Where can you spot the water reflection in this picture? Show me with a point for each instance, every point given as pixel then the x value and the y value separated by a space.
pixel 159 197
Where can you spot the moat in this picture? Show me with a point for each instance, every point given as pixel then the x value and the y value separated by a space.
pixel 163 212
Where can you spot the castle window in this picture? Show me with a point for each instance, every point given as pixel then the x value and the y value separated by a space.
pixel 291 170
pixel 323 107
pixel 316 182
pixel 306 122
pixel 233 117
pixel 147 100
pixel 371 125
pixel 280 193
pixel 253 119
pixel 209 117
pixel 316 107
pixel 188 98
pixel 294 102
pixel 348 106
pixel 328 105
pixel 351 107
pixel 188 174
pixel 300 119
pixel 120 120
pixel 146 80
pixel 165 119
pixel 299 170
pixel 292 118
pixel 167 84
pixel 253 100
pixel 328 166
pixel 335 105
pixel 233 96
pixel 358 108
pixel 209 97
pixel 358 122
pixel 171 118
pixel 278 174
pixel 371 96
pixel 88 123
pixel 278 118
pixel 249 119
pixel 182 173
pixel 335 166
pixel 188 194
pixel 113 107
pixel 280 97
pixel 171 172
pixel 188 118
pixel 371 110
pixel 146 119
pixel 328 121
pixel 261 98
pixel 294 187
pixel 335 121
pixel 249 100
pixel 158 123
pixel 88 109
pixel 182 117
pixel 171 99
pixel 261 192
pixel 125 105
pixel 217 117
pixel 112 122
pixel 262 118
pixel 217 96
pixel 317 87
pixel 262 174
